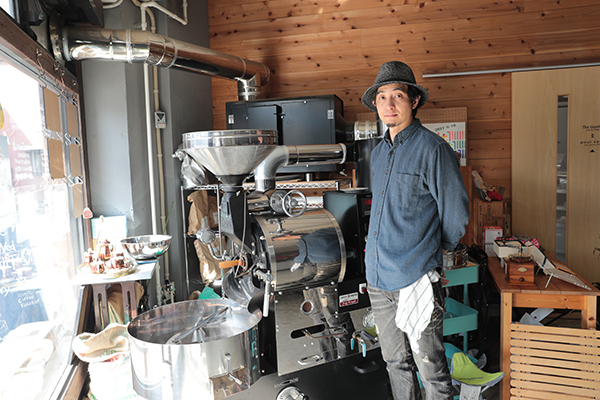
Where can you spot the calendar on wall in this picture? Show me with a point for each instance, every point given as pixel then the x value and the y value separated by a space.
pixel 455 133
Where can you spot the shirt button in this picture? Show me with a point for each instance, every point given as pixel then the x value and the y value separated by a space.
pixel 377 212
pixel 374 253
pixel 374 233
pixel 382 191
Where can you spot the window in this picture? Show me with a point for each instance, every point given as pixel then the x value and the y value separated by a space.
pixel 40 231
pixel 8 6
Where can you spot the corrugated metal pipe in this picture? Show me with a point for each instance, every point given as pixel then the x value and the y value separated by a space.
pixel 135 46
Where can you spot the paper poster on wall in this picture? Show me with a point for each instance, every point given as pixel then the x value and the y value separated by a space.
pixel 455 134
pixel 592 140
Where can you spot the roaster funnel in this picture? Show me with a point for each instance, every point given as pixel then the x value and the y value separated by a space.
pixel 231 155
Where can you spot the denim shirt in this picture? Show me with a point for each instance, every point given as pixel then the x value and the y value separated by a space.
pixel 420 206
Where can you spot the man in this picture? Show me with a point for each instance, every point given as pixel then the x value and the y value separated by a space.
pixel 420 209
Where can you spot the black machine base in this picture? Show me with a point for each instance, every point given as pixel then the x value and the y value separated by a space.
pixel 350 378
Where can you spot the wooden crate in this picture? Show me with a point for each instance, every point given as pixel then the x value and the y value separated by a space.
pixel 550 363
pixel 490 213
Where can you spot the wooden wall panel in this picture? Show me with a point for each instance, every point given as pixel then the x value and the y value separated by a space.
pixel 288 17
pixel 573 56
pixel 336 47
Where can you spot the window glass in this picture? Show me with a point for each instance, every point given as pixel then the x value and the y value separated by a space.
pixel 38 244
pixel 7 5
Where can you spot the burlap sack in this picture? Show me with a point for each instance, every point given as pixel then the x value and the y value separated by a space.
pixel 113 340
pixel 109 367
pixel 204 214
pixel 209 267
pixel 112 380
pixel 203 211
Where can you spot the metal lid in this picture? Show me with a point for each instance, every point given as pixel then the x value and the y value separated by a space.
pixel 520 258
pixel 193 321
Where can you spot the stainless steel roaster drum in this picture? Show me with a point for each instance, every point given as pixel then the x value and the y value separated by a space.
pixel 305 251
pixel 199 349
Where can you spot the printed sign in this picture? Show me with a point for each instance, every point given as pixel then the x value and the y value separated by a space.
pixel 348 299
pixel 593 143
pixel 18 307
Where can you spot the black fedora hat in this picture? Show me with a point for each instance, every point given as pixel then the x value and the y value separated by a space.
pixel 393 72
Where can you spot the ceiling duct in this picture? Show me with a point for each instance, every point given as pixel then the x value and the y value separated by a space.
pixel 77 11
pixel 137 46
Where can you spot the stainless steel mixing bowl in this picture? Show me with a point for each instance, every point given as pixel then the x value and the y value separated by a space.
pixel 146 247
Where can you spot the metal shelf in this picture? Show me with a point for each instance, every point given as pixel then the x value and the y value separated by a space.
pixel 285 185
pixel 460 318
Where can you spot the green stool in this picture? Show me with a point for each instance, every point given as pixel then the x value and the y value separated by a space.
pixel 472 380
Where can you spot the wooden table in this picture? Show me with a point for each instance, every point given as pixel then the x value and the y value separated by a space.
pixel 558 294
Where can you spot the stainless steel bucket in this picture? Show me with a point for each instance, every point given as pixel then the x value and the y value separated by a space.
pixel 199 349
pixel 457 258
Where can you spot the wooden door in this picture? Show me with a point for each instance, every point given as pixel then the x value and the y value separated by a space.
pixel 534 161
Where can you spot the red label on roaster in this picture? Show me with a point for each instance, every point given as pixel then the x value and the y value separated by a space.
pixel 348 299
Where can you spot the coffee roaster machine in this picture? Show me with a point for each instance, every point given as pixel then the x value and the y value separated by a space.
pixel 295 320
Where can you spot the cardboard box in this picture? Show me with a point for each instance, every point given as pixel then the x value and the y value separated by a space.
pixel 490 234
pixel 505 249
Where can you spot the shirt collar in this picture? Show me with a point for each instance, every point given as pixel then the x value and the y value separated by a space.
pixel 404 134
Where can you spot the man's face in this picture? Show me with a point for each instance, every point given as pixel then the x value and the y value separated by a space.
pixel 394 107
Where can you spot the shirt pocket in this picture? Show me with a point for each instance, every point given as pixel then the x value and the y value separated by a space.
pixel 408 190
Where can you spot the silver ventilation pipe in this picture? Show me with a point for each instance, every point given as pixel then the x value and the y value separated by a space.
pixel 264 174
pixel 135 46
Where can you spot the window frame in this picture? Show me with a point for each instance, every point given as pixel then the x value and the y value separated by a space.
pixel 33 59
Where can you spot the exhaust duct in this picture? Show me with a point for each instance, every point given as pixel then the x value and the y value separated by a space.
pixel 264 173
pixel 136 46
